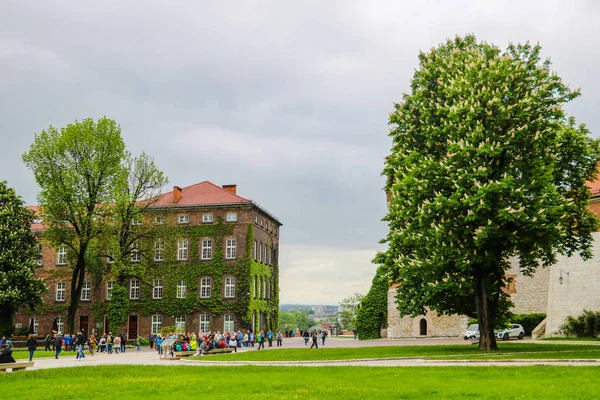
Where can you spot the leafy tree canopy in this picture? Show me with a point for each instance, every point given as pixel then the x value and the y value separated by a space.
pixel 484 168
pixel 349 309
pixel 18 254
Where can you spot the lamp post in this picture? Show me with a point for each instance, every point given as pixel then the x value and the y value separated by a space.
pixel 560 278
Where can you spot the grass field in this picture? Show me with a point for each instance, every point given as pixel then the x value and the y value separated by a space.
pixel 338 353
pixel 253 382
pixel 574 339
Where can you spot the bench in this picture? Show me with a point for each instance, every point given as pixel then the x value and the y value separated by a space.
pixel 217 351
pixel 181 354
pixel 15 366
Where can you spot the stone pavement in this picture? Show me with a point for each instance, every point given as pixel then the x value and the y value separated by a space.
pixel 150 357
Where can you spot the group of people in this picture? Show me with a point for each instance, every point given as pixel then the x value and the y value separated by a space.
pixel 315 337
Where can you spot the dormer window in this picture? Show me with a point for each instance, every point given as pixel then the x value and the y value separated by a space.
pixel 183 219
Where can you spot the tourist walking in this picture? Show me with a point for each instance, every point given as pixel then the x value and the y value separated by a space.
pixel 139 343
pixel 47 342
pixel 58 340
pixel 92 343
pixel 31 345
pixel 117 343
pixel 314 340
pixel 245 340
pixel 102 344
pixel 109 343
pixel 261 340
pixel 270 338
pixel 279 339
pixel 123 342
pixel 324 337
pixel 306 335
pixel 79 342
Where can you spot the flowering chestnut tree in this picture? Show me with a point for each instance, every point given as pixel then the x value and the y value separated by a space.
pixel 18 253
pixel 485 167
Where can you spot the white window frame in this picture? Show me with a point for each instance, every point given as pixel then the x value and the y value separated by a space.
pixel 231 217
pixel 134 289
pixel 206 249
pixel 228 323
pixel 205 287
pixel 180 323
pixel 110 258
pixel 40 255
pixel 136 255
pixel 86 291
pixel 207 218
pixel 61 255
pixel 109 289
pixel 254 250
pixel 61 291
pixel 60 324
pixel 160 220
pixel 159 250
pixel 204 323
pixel 230 249
pixel 183 246
pixel 262 221
pixel 158 290
pixel 181 289
pixel 156 324
pixel 259 252
pixel 136 221
pixel 183 219
pixel 230 287
pixel 268 255
pixel 36 325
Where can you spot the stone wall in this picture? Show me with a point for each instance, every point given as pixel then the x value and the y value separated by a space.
pixel 529 294
pixel 579 290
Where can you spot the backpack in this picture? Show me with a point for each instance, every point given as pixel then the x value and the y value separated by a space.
pixel 109 340
pixel 185 346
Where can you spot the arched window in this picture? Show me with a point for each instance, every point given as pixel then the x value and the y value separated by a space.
pixel 423 327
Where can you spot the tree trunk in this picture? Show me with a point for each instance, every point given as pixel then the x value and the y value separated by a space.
pixel 76 284
pixel 487 340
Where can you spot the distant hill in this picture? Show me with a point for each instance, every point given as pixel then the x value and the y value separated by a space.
pixel 287 307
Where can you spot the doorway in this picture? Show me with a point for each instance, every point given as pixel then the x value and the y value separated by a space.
pixel 83 324
pixel 133 327
pixel 423 327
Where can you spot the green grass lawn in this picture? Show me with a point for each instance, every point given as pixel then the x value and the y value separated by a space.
pixel 550 355
pixel 24 355
pixel 254 382
pixel 339 353
pixel 574 339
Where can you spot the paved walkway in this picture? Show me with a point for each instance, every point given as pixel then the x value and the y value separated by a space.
pixel 150 357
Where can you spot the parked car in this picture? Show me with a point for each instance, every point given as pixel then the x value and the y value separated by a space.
pixel 513 331
pixel 472 332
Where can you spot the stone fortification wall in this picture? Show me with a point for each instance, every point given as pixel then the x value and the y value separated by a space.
pixel 529 294
pixel 579 290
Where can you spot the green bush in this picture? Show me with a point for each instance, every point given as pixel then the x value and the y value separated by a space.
pixel 585 325
pixel 371 316
pixel 528 321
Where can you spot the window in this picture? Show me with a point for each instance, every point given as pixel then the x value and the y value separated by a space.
pixel 256 219
pixel 134 289
pixel 267 287
pixel 207 249
pixel 109 288
pixel 255 288
pixel 259 252
pixel 110 258
pixel 182 249
pixel 159 250
pixel 254 251
pixel 39 255
pixel 267 225
pixel 230 248
pixel 262 221
pixel 205 287
pixel 60 324
pixel 36 324
pixel 157 289
pixel 228 326
pixel 268 255
pixel 183 219
pixel 86 291
pixel 181 289
pixel 230 287
pixel 160 220
pixel 136 221
pixel 61 291
pixel 231 217
pixel 180 323
pixel 61 256
pixel 136 255
pixel 156 324
pixel 204 323
pixel 207 217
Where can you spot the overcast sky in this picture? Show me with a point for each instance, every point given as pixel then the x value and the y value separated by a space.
pixel 288 100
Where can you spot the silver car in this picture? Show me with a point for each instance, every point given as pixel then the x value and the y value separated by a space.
pixel 513 331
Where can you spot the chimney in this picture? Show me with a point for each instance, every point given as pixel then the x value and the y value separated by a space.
pixel 176 194
pixel 230 188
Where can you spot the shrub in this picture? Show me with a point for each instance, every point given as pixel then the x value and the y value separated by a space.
pixel 585 325
pixel 528 321
pixel 372 312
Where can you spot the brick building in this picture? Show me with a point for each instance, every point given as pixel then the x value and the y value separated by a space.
pixel 212 265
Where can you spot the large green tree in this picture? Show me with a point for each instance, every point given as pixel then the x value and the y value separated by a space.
pixel 484 168
pixel 18 254
pixel 78 169
pixel 349 309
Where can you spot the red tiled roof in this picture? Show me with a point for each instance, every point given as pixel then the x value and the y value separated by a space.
pixel 36 226
pixel 594 187
pixel 202 193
